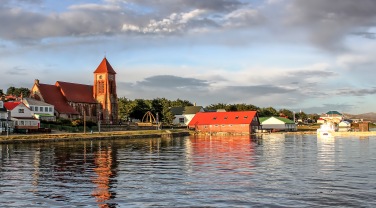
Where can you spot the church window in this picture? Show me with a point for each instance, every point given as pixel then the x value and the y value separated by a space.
pixel 100 87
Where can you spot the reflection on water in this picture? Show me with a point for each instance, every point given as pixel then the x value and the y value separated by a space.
pixel 277 170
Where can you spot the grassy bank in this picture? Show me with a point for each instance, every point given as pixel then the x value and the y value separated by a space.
pixel 21 138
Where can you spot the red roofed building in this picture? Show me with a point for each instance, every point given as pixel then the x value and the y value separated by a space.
pixel 237 122
pixel 73 101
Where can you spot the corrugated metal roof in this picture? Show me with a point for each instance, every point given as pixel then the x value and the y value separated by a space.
pixel 210 118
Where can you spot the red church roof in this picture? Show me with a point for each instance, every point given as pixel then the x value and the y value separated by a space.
pixel 52 95
pixel 78 93
pixel 105 67
pixel 11 105
pixel 212 118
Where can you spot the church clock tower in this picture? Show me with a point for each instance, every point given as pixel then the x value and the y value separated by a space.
pixel 104 92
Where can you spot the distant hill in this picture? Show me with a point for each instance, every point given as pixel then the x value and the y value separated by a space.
pixel 365 116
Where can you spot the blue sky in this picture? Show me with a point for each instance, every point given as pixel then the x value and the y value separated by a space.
pixel 313 56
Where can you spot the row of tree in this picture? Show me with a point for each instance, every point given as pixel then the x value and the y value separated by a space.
pixel 22 91
pixel 137 108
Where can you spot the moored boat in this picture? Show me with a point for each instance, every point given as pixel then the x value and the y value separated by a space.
pixel 327 129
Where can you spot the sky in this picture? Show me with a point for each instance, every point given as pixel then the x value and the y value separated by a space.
pixel 313 56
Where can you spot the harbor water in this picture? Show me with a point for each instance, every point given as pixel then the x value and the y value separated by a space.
pixel 276 170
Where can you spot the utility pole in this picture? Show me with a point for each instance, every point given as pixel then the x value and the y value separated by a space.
pixel 84 121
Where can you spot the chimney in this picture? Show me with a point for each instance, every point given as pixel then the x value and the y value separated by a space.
pixel 36 82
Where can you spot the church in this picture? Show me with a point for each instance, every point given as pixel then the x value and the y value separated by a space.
pixel 97 102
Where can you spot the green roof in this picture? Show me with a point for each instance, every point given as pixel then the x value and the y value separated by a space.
pixel 333 113
pixel 284 120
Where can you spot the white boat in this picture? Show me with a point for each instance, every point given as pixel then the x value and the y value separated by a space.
pixel 327 129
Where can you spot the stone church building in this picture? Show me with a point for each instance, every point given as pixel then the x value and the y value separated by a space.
pixel 76 101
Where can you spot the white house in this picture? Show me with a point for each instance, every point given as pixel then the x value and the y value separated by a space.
pixel 184 115
pixel 40 109
pixel 277 123
pixel 3 117
pixel 21 116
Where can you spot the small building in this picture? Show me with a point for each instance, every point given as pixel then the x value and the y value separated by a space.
pixel 21 116
pixel 331 116
pixel 39 109
pixel 344 126
pixel 3 117
pixel 183 115
pixel 277 124
pixel 238 122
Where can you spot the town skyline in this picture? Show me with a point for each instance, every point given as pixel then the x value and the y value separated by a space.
pixel 313 56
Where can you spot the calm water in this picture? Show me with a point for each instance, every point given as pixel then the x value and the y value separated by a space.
pixel 275 171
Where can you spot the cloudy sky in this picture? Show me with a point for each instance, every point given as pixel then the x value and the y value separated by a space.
pixel 307 55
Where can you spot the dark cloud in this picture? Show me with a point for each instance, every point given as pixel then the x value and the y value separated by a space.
pixel 357 92
pixel 258 90
pixel 173 82
pixel 17 71
pixel 330 21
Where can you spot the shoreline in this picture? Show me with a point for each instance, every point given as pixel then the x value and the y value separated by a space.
pixel 59 137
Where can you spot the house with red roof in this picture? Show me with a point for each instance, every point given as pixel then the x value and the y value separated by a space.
pixel 21 116
pixel 76 101
pixel 237 122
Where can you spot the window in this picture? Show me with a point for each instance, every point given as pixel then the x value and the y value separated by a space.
pixel 41 109
pixel 214 118
pixel 21 110
pixel 32 108
pixel 225 117
pixel 45 109
pixel 236 117
pixel 100 87
pixel 245 117
pixel 181 120
pixel 49 109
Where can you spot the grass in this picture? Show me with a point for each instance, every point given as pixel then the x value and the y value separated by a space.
pixel 41 137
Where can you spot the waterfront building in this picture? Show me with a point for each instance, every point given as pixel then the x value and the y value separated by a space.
pixel 238 122
pixel 76 101
pixel 39 109
pixel 3 117
pixel 21 116
pixel 274 123
pixel 183 115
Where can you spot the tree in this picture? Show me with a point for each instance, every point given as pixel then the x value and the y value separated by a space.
pixel 269 111
pixel 287 113
pixel 25 92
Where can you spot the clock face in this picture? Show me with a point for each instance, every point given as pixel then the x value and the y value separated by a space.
pixel 100 77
